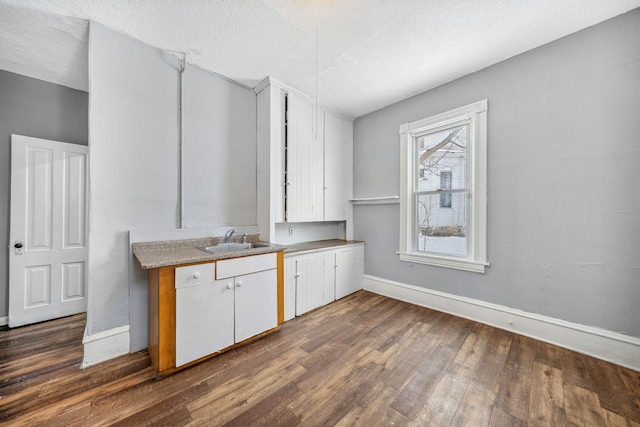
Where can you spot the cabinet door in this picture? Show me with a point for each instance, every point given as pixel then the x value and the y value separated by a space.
pixel 335 191
pixel 204 319
pixel 256 304
pixel 304 165
pixel 328 284
pixel 309 282
pixel 349 268
pixel 289 288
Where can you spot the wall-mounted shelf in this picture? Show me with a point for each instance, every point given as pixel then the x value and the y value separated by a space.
pixel 386 200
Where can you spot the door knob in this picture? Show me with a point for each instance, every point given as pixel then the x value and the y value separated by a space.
pixel 239 284
pixel 18 245
pixel 229 286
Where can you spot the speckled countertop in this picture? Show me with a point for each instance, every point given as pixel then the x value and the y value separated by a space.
pixel 320 245
pixel 177 252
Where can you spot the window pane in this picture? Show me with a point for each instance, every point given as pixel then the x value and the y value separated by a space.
pixel 442 231
pixel 444 151
pixel 445 184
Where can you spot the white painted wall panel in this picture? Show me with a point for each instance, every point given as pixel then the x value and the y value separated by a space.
pixel 133 116
pixel 219 149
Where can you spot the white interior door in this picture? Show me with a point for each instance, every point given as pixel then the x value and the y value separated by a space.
pixel 48 231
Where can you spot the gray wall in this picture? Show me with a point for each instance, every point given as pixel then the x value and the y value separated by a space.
pixel 563 180
pixel 39 109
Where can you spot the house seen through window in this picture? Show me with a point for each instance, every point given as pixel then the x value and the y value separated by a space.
pixel 441 191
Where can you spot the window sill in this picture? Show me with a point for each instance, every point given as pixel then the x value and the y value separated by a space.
pixel 458 264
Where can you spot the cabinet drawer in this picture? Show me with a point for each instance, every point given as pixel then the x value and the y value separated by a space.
pixel 195 275
pixel 240 266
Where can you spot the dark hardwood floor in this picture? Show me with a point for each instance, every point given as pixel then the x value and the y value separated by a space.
pixel 365 360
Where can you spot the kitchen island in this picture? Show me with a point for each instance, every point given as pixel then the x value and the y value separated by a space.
pixel 202 304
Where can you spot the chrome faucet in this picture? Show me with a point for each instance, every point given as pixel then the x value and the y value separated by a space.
pixel 228 235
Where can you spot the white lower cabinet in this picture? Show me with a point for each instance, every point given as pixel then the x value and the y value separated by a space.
pixel 256 304
pixel 310 282
pixel 349 269
pixel 204 320
pixel 289 288
pixel 214 314
pixel 314 279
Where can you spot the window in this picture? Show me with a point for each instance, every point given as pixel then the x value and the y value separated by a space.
pixel 445 184
pixel 443 189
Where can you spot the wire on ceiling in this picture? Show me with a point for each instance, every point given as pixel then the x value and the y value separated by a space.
pixel 315 132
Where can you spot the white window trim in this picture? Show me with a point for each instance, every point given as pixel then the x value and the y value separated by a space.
pixel 476 261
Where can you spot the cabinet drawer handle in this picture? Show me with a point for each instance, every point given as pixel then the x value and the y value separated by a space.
pixel 229 286
pixel 239 284
pixel 196 275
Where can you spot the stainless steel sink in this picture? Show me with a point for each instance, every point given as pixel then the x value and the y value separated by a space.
pixel 232 247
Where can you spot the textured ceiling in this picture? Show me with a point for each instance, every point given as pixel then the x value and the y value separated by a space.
pixel 371 53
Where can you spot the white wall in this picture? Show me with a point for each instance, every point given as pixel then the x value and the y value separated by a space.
pixel 135 173
pixel 133 134
pixel 219 175
pixel 219 151
pixel 564 170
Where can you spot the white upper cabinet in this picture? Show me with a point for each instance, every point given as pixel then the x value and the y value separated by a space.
pixel 335 167
pixel 305 158
pixel 304 161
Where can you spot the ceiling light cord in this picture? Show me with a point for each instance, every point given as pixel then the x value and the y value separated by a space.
pixel 315 135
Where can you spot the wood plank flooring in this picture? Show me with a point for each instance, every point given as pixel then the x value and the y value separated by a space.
pixel 365 360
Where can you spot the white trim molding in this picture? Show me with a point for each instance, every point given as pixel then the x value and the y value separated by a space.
pixel 105 345
pixel 611 346
pixel 4 321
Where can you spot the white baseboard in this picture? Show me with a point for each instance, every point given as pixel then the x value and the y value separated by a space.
pixel 4 321
pixel 105 345
pixel 611 346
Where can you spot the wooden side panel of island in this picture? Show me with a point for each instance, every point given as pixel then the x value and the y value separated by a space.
pixel 162 318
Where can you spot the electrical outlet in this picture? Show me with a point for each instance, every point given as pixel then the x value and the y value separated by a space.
pixel 290 231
